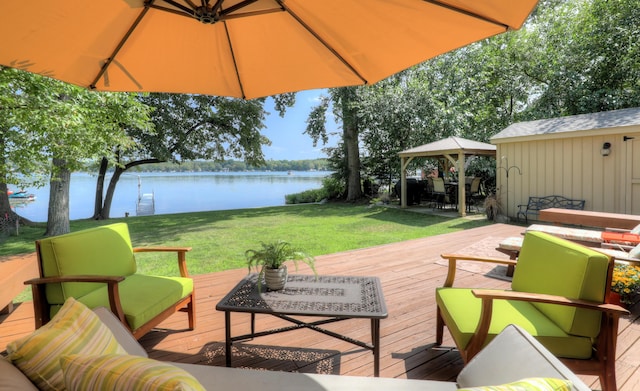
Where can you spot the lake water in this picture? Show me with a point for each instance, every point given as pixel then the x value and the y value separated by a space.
pixel 179 192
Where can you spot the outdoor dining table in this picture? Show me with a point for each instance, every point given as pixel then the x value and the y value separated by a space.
pixel 335 298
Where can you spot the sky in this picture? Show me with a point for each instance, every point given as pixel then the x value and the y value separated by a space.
pixel 287 134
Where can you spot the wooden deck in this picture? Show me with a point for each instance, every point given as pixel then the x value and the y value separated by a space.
pixel 409 271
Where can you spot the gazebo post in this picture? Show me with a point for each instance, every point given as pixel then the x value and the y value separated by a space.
pixel 462 187
pixel 404 162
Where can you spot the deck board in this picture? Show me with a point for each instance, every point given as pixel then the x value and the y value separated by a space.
pixel 409 275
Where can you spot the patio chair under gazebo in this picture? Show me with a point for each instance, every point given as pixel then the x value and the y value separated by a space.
pixel 455 150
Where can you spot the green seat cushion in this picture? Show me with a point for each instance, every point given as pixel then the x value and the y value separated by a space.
pixel 461 312
pixel 143 297
pixel 551 265
pixel 104 250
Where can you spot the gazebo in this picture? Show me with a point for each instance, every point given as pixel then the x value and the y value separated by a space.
pixel 455 150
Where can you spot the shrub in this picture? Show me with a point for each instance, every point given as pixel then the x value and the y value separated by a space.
pixel 307 196
pixel 334 187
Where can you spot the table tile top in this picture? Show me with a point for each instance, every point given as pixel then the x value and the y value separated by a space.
pixel 350 296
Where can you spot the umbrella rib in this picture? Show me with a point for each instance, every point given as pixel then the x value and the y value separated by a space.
pixel 120 45
pixel 322 41
pixel 233 56
pixel 190 4
pixel 437 3
pixel 189 15
pixel 236 7
pixel 216 7
pixel 177 5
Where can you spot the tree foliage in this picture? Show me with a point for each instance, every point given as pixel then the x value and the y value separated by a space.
pixel 50 129
pixel 583 57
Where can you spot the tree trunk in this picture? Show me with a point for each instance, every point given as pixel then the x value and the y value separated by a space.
pixel 102 211
pixel 58 216
pixel 97 206
pixel 7 216
pixel 108 198
pixel 351 145
pixel 354 185
pixel 5 207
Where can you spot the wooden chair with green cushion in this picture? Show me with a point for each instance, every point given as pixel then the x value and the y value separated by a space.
pixel 97 267
pixel 559 295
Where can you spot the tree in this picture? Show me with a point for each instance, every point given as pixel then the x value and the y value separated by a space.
pixel 97 125
pixel 190 127
pixel 16 146
pixel 582 57
pixel 392 117
pixel 53 128
pixel 345 160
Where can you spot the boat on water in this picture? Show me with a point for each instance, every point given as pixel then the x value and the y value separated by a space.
pixel 21 196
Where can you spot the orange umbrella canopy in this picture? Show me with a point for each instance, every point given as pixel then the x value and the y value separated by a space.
pixel 240 48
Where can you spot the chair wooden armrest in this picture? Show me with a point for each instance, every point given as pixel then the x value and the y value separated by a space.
pixel 453 258
pixel 40 299
pixel 161 249
pixel 182 259
pixel 612 311
pixel 491 294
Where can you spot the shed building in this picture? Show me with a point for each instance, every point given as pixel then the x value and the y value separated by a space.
pixel 594 157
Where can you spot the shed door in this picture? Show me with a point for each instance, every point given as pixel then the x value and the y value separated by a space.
pixel 632 147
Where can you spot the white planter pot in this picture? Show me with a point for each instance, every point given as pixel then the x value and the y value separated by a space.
pixel 275 279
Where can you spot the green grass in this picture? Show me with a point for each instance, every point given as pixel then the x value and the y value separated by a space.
pixel 220 238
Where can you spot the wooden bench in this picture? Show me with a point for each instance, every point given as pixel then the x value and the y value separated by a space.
pixel 589 218
pixel 536 204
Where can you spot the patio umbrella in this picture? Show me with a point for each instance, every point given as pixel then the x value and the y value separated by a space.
pixel 240 48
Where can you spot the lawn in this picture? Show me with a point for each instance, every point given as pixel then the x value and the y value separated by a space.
pixel 220 238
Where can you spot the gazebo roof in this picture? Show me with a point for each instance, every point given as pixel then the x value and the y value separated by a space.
pixel 451 146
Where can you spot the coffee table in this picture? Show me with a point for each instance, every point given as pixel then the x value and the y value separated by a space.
pixel 335 298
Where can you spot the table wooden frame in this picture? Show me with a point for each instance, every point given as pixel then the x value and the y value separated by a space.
pixel 244 297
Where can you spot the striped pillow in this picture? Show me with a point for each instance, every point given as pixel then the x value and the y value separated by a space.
pixel 124 373
pixel 530 384
pixel 75 329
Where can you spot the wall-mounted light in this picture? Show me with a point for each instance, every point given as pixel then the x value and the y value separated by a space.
pixel 606 149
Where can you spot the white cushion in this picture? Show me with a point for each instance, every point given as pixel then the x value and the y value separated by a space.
pixel 511 356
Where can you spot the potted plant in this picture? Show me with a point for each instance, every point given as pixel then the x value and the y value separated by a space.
pixel 492 207
pixel 270 261
pixel 626 283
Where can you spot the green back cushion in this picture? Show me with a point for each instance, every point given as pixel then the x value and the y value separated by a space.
pixel 550 265
pixel 103 251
